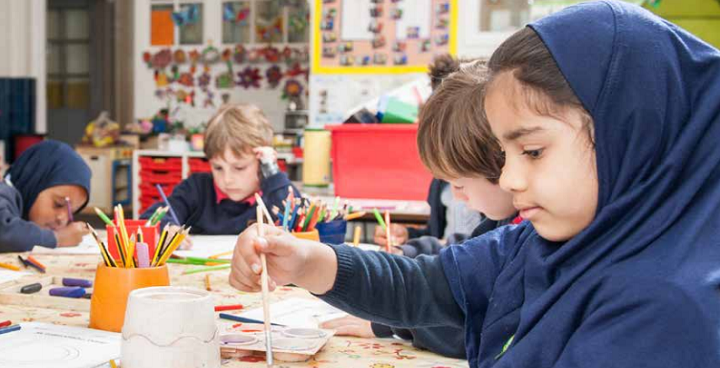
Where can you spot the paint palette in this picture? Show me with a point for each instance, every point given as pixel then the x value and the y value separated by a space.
pixel 11 294
pixel 288 344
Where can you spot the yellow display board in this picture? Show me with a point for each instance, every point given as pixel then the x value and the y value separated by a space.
pixel 381 36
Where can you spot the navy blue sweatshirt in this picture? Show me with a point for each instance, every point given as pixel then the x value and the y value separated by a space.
pixel 195 203
pixel 640 285
pixel 447 341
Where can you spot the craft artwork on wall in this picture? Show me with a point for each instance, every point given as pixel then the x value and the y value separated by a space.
pixel 381 37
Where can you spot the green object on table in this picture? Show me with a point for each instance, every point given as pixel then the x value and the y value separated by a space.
pixel 379 219
pixel 398 112
pixel 207 269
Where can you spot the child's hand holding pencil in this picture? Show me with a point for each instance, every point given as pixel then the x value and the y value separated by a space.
pixel 71 235
pixel 308 264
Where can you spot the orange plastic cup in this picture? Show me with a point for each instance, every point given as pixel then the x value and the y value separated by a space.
pixel 111 289
pixel 309 235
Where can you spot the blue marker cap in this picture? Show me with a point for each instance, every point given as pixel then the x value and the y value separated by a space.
pixel 76 282
pixel 68 292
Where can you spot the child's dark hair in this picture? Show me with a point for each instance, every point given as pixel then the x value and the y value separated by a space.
pixel 546 91
pixel 442 66
pixel 454 138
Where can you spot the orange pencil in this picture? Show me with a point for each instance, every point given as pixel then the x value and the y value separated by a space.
pixel 33 260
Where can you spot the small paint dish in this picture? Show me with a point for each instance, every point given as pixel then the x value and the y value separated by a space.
pixel 237 339
pixel 305 333
pixel 293 344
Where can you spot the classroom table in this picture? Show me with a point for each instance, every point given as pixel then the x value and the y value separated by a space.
pixel 346 352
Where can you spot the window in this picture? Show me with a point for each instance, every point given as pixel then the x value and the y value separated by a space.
pixel 68 57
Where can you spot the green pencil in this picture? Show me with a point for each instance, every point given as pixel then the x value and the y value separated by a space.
pixel 379 219
pixel 103 217
pixel 206 269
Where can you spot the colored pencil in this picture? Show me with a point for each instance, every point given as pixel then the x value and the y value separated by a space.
pixel 103 217
pixel 167 203
pixel 69 209
pixel 223 308
pixel 9 266
pixel 379 219
pixel 207 269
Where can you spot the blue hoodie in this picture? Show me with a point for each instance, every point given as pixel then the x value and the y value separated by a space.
pixel 639 286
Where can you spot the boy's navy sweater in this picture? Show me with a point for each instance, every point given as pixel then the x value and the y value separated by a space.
pixel 447 341
pixel 195 202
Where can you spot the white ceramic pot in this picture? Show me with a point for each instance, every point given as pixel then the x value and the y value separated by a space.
pixel 170 327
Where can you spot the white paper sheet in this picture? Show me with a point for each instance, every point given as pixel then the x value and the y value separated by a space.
pixel 204 246
pixel 10 275
pixel 41 345
pixel 296 312
pixel 87 246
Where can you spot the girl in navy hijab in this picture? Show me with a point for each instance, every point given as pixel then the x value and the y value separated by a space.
pixel 34 197
pixel 609 119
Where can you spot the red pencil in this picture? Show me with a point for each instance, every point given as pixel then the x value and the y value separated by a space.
pixel 5 324
pixel 222 308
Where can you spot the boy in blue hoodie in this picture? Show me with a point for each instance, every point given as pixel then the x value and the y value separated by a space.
pixel 608 119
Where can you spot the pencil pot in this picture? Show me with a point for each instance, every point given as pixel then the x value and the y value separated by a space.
pixel 170 327
pixel 112 287
pixel 332 232
pixel 308 235
pixel 149 233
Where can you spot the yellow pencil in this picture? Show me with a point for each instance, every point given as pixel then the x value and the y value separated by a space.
pixel 355 215
pixel 356 236
pixel 173 246
pixel 9 266
pixel 207 282
pixel 159 245
pixel 216 256
pixel 112 364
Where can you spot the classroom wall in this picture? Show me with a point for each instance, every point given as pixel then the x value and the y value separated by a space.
pixel 22 41
pixel 145 102
pixel 700 17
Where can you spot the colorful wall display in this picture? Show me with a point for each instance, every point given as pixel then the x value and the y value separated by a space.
pixel 381 36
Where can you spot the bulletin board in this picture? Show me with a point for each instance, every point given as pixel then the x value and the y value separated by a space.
pixel 381 36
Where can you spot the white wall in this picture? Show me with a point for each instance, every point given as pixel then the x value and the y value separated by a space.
pixel 22 41
pixel 146 104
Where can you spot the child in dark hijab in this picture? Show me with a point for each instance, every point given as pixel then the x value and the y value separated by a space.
pixel 35 194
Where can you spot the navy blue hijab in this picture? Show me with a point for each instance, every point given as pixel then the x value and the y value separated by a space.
pixel 45 165
pixel 639 286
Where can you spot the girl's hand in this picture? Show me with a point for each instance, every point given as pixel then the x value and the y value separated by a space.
pixel 306 263
pixel 350 326
pixel 72 234
pixel 399 235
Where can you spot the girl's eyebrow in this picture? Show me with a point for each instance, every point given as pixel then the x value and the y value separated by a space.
pixel 517 133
